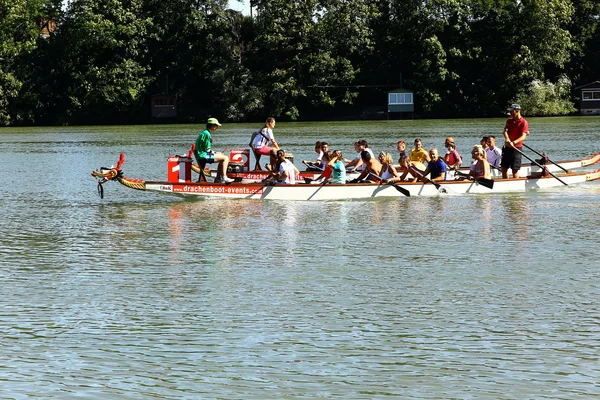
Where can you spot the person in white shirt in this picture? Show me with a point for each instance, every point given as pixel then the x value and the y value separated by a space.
pixel 288 172
pixel 260 143
pixel 357 164
pixel 493 154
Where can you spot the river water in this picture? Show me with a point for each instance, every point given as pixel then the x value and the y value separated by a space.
pixel 140 295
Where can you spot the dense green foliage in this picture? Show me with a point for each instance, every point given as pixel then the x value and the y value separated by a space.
pixel 547 98
pixel 291 59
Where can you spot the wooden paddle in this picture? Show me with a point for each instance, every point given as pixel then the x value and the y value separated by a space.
pixel 545 157
pixel 538 164
pixel 398 188
pixel 488 183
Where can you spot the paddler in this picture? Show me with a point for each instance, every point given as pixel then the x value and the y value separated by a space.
pixel 357 163
pixel 288 173
pixel 419 155
pixel 436 167
pixel 372 166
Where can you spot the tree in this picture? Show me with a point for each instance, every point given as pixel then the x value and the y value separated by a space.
pixel 305 51
pixel 19 31
pixel 494 49
pixel 585 30
pixel 547 98
pixel 102 49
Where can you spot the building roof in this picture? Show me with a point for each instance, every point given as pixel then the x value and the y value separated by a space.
pixel 595 83
pixel 400 90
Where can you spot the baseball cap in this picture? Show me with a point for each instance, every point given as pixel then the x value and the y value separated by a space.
pixel 213 121
pixel 514 107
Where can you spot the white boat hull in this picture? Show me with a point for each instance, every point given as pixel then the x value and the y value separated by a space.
pixel 309 192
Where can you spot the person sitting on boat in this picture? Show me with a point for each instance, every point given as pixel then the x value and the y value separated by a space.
pixel 493 153
pixel 401 146
pixel 327 170
pixel 480 167
pixel 372 166
pixel 452 158
pixel 204 154
pixel 338 168
pixel 324 149
pixel 389 174
pixel 312 164
pixel 419 156
pixel 484 142
pixel 259 143
pixel 436 168
pixel 405 167
pixel 357 163
pixel 288 172
pixel 516 130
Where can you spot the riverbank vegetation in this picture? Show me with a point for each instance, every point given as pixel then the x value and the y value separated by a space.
pixel 100 61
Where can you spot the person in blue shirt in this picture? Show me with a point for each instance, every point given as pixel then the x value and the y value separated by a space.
pixel 436 168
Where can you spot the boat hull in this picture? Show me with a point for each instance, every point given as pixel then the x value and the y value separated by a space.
pixel 309 192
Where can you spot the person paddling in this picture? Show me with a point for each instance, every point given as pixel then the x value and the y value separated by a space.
pixel 401 146
pixel 371 166
pixel 388 171
pixel 315 165
pixel 452 158
pixel 493 153
pixel 288 173
pixel 419 156
pixel 436 167
pixel 338 168
pixel 327 171
pixel 357 163
pixel 516 130
pixel 480 167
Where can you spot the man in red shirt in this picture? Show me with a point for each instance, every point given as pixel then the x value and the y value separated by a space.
pixel 515 132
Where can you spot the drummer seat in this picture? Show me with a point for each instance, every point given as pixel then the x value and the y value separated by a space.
pixel 201 164
pixel 257 157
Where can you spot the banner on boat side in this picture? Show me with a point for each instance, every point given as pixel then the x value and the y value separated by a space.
pixel 180 169
pixel 241 156
pixel 243 190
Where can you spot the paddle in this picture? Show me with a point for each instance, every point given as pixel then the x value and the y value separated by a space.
pixel 544 156
pixel 488 183
pixel 315 166
pixel 427 180
pixel 538 164
pixel 398 188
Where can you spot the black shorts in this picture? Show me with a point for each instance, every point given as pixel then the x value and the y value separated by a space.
pixel 511 159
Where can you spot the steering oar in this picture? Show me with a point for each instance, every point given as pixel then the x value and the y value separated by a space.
pixel 539 165
pixel 545 157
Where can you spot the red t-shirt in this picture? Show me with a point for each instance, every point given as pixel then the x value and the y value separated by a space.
pixel 516 128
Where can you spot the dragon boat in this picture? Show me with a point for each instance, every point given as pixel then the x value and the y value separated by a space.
pixel 185 187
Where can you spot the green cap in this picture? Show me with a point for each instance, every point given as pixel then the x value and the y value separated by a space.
pixel 213 121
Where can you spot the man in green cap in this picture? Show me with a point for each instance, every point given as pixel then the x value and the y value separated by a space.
pixel 204 154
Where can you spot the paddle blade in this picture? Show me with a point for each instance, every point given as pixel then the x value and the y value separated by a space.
pixel 402 190
pixel 488 183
